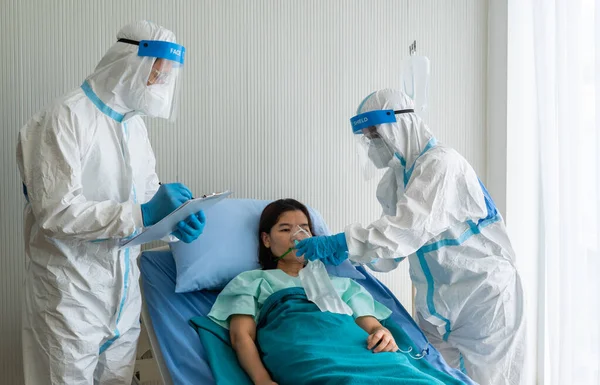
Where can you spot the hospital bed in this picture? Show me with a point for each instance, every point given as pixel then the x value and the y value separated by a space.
pixel 176 346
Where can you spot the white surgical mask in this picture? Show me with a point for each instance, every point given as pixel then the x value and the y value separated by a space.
pixel 379 153
pixel 156 101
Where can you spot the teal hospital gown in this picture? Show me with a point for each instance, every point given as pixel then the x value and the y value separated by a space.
pixel 247 292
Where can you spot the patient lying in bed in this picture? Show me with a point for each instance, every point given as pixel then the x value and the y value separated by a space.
pixel 282 338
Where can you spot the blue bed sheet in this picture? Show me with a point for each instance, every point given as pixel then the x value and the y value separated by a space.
pixel 181 348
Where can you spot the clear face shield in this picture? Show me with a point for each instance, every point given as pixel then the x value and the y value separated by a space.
pixel 373 149
pixel 160 75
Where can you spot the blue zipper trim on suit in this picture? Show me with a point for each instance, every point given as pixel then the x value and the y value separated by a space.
pixel 106 110
pixel 474 229
pixel 462 364
pixel 108 343
pixel 408 173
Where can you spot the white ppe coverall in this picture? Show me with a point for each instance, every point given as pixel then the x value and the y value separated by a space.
pixel 436 212
pixel 86 164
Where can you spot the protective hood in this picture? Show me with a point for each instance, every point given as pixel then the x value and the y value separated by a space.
pixel 409 135
pixel 120 78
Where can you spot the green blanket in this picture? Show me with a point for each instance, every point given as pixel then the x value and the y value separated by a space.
pixel 300 344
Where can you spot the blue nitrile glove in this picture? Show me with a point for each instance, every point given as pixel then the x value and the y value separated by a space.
pixel 189 230
pixel 167 198
pixel 330 249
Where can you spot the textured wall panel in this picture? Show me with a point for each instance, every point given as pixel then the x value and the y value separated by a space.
pixel 270 86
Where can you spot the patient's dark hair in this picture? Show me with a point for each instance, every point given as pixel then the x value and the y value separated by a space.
pixel 268 219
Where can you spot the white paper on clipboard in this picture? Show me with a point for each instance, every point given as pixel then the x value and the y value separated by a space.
pixel 166 225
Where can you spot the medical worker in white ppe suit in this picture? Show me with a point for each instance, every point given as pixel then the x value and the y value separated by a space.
pixel 89 177
pixel 437 213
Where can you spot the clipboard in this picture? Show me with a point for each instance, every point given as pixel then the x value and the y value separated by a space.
pixel 166 225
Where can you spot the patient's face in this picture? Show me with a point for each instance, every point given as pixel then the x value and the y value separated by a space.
pixel 279 239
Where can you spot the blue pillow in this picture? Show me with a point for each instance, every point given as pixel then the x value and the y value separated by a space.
pixel 229 246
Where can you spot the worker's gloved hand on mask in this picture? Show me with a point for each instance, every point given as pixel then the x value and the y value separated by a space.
pixel 189 230
pixel 164 202
pixel 331 249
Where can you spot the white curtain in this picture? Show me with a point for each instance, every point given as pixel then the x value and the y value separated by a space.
pixel 564 36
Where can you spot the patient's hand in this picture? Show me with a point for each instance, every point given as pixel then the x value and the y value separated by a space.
pixel 385 339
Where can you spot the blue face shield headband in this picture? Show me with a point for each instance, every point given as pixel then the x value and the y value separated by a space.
pixel 159 49
pixel 157 75
pixel 374 118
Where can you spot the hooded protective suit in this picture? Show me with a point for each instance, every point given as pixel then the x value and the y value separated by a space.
pixel 86 164
pixel 437 213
